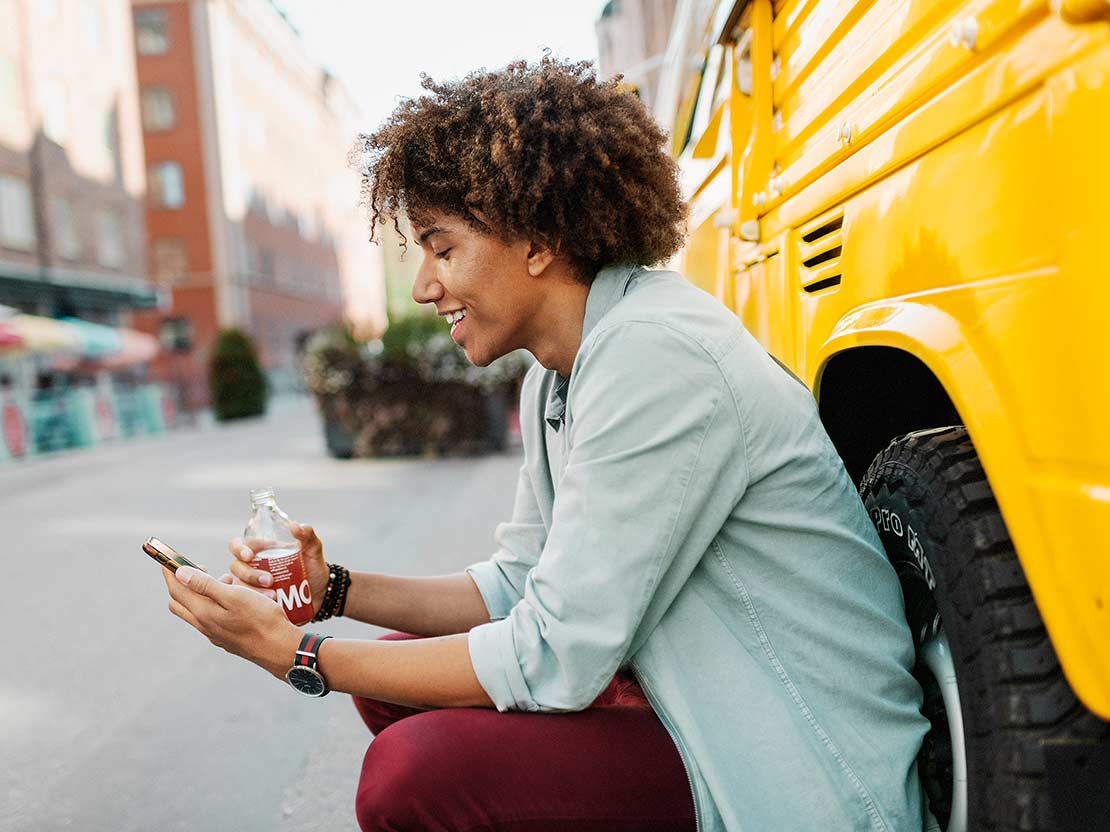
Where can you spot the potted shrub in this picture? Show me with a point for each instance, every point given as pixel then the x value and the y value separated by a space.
pixel 333 371
pixel 238 384
pixel 412 393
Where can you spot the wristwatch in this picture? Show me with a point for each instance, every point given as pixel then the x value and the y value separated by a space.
pixel 303 676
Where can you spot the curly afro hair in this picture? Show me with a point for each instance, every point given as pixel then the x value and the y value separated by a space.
pixel 543 151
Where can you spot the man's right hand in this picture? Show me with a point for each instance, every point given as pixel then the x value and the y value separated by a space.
pixel 312 553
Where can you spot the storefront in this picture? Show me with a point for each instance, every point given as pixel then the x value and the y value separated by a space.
pixel 70 383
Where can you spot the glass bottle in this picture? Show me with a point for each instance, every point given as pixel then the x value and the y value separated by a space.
pixel 277 551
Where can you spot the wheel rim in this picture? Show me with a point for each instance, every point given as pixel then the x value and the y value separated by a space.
pixel 937 656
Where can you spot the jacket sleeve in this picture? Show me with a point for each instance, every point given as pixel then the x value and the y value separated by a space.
pixel 639 474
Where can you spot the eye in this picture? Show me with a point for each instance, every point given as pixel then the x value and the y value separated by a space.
pixel 442 255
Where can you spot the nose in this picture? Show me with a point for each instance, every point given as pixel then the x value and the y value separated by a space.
pixel 425 287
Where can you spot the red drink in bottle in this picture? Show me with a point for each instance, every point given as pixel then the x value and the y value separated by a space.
pixel 278 552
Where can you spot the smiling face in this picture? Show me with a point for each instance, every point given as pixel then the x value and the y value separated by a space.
pixel 484 287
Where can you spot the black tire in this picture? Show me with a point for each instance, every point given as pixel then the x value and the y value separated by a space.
pixel 937 517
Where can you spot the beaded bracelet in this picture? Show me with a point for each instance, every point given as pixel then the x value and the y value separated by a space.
pixel 344 586
pixel 335 593
pixel 328 601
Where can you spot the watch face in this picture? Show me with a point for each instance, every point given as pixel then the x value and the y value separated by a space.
pixel 306 680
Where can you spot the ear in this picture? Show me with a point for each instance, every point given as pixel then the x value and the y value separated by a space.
pixel 539 258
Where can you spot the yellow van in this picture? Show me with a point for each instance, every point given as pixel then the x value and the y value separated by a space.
pixel 908 203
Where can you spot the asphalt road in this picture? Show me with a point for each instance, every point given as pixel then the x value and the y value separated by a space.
pixel 114 714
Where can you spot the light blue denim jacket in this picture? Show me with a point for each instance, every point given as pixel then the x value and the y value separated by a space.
pixel 682 512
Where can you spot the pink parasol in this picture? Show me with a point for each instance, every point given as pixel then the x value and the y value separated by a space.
pixel 9 339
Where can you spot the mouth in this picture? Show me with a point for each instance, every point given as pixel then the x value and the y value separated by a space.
pixel 455 318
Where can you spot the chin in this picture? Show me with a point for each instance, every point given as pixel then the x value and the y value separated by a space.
pixel 479 360
pixel 485 358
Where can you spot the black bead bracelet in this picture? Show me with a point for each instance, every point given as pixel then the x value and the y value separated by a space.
pixel 335 593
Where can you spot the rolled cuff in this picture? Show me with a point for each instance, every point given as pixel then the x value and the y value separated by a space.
pixel 495 588
pixel 497 668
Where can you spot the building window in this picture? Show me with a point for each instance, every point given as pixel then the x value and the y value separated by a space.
pixel 266 263
pixel 17 218
pixel 158 111
pixel 65 232
pixel 150 32
pixel 170 260
pixel 167 186
pixel 55 114
pixel 110 250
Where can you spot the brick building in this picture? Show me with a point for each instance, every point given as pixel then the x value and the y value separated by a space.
pixel 72 240
pixel 251 212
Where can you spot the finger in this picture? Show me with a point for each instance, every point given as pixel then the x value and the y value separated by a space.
pixel 225 578
pixel 251 576
pixel 183 613
pixel 235 545
pixel 244 553
pixel 203 584
pixel 269 593
pixel 178 591
pixel 303 532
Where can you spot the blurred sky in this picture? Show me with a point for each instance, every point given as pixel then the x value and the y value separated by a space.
pixel 378 48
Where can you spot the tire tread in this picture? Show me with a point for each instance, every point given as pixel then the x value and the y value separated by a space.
pixel 1013 691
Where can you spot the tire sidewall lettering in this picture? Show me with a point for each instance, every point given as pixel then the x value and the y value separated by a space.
pixel 890 521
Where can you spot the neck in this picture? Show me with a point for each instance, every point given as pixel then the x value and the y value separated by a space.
pixel 557 332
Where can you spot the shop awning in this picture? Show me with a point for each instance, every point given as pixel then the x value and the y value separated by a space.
pixel 75 289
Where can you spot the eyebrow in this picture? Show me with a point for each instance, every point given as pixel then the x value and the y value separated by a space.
pixel 435 229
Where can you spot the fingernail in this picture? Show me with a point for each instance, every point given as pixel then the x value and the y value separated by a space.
pixel 245 554
pixel 296 527
pixel 185 574
pixel 265 579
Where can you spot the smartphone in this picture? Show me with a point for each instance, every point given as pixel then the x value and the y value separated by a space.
pixel 166 554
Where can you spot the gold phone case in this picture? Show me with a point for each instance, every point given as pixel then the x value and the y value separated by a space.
pixel 166 554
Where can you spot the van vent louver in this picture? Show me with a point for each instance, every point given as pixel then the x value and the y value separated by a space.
pixel 820 247
pixel 828 228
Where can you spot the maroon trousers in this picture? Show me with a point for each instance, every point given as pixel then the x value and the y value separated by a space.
pixel 609 768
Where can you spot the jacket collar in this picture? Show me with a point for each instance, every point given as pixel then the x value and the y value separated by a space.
pixel 608 287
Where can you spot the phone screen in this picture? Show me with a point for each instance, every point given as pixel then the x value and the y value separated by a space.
pixel 166 554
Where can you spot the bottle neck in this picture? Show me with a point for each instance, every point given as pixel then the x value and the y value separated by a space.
pixel 263 497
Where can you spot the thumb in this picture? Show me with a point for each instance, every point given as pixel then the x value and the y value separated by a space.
pixel 302 532
pixel 200 582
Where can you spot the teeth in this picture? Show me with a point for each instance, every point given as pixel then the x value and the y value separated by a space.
pixel 455 317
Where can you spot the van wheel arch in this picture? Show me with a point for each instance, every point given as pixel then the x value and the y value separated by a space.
pixel 869 395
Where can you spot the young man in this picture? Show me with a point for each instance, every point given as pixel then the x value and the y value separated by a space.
pixel 689 622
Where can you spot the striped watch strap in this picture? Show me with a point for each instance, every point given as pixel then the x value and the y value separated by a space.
pixel 310 646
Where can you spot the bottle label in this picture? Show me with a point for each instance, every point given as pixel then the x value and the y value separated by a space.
pixel 290 583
